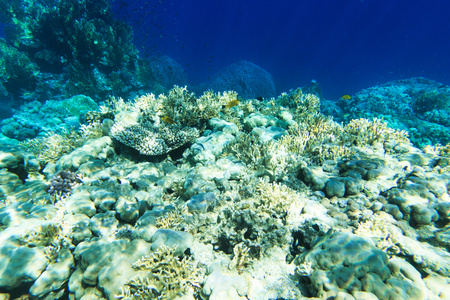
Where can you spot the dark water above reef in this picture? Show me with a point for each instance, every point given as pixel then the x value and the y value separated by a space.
pixel 346 45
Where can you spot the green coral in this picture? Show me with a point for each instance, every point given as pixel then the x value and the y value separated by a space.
pixel 425 101
pixel 17 71
pixel 77 38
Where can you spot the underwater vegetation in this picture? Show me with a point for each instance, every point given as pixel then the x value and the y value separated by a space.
pixel 55 49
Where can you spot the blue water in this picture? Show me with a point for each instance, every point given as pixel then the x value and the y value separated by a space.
pixel 346 45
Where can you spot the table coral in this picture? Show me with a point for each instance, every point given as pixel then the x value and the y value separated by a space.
pixel 149 140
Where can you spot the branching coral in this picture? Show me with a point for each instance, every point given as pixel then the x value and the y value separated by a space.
pixel 384 235
pixel 316 139
pixel 184 108
pixel 303 104
pixel 173 219
pixel 271 158
pixel 52 234
pixel 241 258
pixel 162 275
pixel 364 131
pixel 156 125
pixel 52 146
pixel 42 235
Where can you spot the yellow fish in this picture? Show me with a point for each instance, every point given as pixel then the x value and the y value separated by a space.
pixel 232 103
pixel 346 97
pixel 168 120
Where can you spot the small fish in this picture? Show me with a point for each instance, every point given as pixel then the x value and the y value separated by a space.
pixel 168 120
pixel 232 103
pixel 346 97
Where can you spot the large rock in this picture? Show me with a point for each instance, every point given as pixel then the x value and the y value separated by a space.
pixel 20 264
pixel 105 264
pixel 162 70
pixel 245 78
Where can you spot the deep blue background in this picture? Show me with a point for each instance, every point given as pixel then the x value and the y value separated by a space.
pixel 346 45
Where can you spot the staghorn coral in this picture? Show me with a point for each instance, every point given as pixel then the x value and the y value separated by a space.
pixel 42 235
pixel 52 234
pixel 275 198
pixel 364 131
pixel 173 219
pixel 303 104
pixel 156 125
pixel 241 258
pixel 316 139
pixel 53 145
pixel 385 236
pixel 162 275
pixel 151 140
pixel 50 147
pixel 270 158
pixel 184 108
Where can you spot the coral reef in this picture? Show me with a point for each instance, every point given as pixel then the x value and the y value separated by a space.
pixel 417 105
pixel 157 125
pixel 267 199
pixel 17 71
pixel 363 131
pixel 52 146
pixel 35 119
pixel 346 264
pixel 161 72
